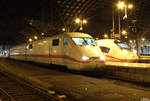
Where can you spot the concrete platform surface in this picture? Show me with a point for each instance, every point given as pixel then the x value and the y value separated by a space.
pixel 128 64
pixel 83 88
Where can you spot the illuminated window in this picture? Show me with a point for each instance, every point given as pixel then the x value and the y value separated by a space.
pixel 89 41
pixel 84 41
pixel 79 41
pixel 65 42
pixel 122 44
pixel 105 49
pixel 55 42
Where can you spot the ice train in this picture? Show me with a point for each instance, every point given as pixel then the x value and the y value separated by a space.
pixel 117 50
pixel 74 50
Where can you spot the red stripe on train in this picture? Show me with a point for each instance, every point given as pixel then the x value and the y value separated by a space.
pixel 120 59
pixel 58 56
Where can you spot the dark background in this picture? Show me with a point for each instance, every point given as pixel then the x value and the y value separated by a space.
pixel 21 19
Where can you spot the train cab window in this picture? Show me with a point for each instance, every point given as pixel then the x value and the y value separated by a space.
pixel 79 41
pixel 83 41
pixel 30 46
pixel 122 45
pixel 55 42
pixel 65 42
pixel 105 49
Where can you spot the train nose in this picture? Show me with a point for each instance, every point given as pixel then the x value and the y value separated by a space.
pixel 135 57
pixel 102 58
pixel 100 63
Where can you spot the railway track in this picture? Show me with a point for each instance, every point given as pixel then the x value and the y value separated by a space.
pixel 15 90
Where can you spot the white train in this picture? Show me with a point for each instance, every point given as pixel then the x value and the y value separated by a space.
pixel 116 50
pixel 77 51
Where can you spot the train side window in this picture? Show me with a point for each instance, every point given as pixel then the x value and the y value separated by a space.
pixel 55 42
pixel 105 49
pixel 65 42
pixel 30 46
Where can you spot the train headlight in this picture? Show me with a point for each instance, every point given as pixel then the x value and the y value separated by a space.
pixel 134 51
pixel 125 51
pixel 88 46
pixel 96 52
pixel 102 57
pixel 85 58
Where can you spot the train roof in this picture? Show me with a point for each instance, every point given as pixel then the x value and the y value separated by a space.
pixel 70 34
pixel 106 40
pixel 18 46
pixel 111 41
pixel 77 34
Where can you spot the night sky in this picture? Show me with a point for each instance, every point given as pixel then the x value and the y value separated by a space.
pixel 13 12
pixel 12 18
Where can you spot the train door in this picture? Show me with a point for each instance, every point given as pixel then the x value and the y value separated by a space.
pixel 66 51
pixel 25 52
pixel 29 52
pixel 50 52
pixel 56 52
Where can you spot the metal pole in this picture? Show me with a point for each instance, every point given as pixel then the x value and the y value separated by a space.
pixel 113 23
pixel 119 25
pixel 125 10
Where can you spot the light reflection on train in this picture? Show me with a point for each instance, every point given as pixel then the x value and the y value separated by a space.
pixel 77 51
pixel 4 53
pixel 116 50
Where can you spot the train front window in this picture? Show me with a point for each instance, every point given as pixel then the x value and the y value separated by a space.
pixel 84 41
pixel 122 45
pixel 90 41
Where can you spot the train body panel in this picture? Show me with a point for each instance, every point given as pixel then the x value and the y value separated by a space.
pixel 116 50
pixel 18 52
pixel 77 51
pixel 38 51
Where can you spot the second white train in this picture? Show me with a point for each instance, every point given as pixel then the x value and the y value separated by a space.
pixel 116 50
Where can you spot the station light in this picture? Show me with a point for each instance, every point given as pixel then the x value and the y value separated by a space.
pixel 84 21
pixel 77 20
pixel 27 47
pixel 97 38
pixel 143 39
pixel 130 6
pixel 42 33
pixel 121 5
pixel 105 36
pixel 124 32
pixel 35 37
pixel 80 22
pixel 30 40
pixel 63 29
pixel 81 28
pixel 130 41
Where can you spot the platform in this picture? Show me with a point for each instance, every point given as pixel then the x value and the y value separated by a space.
pixel 82 88
pixel 135 72
pixel 145 59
